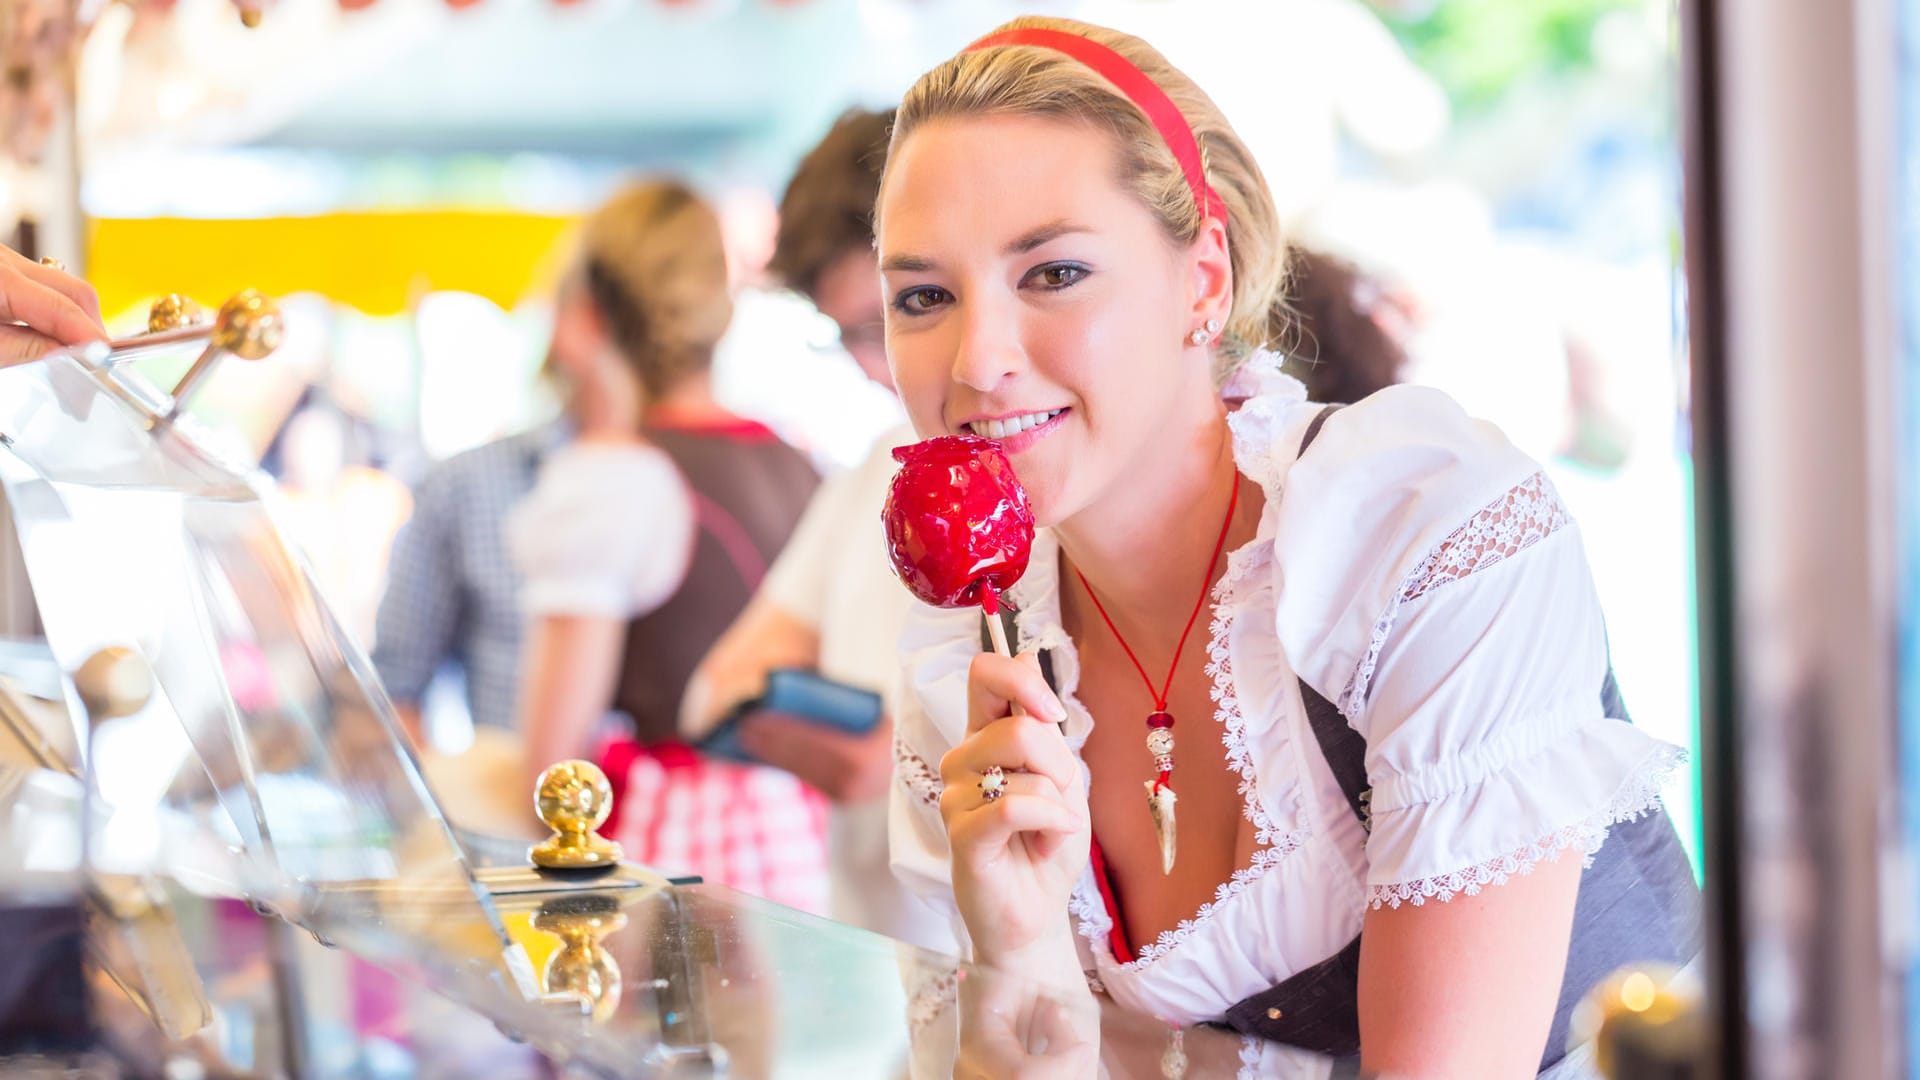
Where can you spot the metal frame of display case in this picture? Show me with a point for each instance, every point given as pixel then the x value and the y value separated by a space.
pixel 1789 133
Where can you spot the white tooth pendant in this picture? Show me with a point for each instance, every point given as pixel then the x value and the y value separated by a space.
pixel 1160 795
pixel 1160 802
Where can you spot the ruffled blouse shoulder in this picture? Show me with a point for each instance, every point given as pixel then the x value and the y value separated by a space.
pixel 1432 584
pixel 607 530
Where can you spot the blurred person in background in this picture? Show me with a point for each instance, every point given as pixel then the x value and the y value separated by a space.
pixel 1341 329
pixel 341 507
pixel 452 594
pixel 830 604
pixel 643 539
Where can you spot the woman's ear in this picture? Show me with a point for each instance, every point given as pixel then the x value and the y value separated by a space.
pixel 579 330
pixel 1212 276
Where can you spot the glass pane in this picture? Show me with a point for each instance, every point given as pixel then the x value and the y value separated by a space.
pixel 266 764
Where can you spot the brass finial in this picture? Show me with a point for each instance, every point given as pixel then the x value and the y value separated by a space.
pixel 113 682
pixel 1641 1023
pixel 249 325
pixel 173 312
pixel 249 16
pixel 582 966
pixel 573 798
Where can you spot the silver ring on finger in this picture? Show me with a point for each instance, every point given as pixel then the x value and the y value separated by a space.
pixel 993 783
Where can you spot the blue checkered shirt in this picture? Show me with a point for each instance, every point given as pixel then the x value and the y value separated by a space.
pixel 452 594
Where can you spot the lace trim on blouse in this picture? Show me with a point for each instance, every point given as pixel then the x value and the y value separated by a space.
pixel 1252 1051
pixel 1638 795
pixel 914 774
pixel 1274 846
pixel 1528 513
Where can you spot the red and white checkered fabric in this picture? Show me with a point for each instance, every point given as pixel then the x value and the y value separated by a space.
pixel 749 827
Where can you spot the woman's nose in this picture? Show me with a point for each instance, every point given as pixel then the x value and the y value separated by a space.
pixel 989 349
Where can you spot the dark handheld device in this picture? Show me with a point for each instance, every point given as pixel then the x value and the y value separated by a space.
pixel 804 695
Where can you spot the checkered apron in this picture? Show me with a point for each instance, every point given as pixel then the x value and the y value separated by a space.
pixel 749 827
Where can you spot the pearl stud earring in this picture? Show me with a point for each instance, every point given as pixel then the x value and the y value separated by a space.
pixel 1198 337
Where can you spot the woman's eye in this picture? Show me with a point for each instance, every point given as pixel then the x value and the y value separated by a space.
pixel 920 300
pixel 1059 275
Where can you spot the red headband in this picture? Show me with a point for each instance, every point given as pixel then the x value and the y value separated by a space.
pixel 1145 94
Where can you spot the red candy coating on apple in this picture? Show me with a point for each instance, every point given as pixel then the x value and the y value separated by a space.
pixel 959 526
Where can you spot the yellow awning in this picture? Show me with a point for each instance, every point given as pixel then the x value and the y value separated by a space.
pixel 370 260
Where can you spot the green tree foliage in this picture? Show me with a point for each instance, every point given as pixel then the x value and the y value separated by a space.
pixel 1481 49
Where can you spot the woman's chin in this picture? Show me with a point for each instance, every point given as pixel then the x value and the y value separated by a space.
pixel 1046 502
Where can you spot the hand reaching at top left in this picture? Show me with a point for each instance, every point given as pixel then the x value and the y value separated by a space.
pixel 42 309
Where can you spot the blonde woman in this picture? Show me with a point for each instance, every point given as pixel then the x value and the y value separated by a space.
pixel 1393 742
pixel 642 540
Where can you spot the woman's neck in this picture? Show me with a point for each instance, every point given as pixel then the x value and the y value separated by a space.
pixel 1145 548
pixel 689 400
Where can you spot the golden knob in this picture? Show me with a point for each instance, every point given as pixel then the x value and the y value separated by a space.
pixel 573 798
pixel 1641 1024
pixel 172 312
pixel 113 682
pixel 250 17
pixel 249 325
pixel 582 966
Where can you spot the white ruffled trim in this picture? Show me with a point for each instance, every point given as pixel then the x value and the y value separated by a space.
pixel 1638 795
pixel 1354 695
pixel 1088 910
pixel 1094 922
pixel 1252 427
pixel 1227 602
pixel 1252 1053
pixel 1264 860
pixel 1526 514
pixel 1261 374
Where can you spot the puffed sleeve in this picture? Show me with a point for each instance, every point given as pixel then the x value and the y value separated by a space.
pixel 937 647
pixel 1433 586
pixel 607 530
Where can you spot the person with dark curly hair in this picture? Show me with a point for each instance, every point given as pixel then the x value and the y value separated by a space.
pixel 1340 328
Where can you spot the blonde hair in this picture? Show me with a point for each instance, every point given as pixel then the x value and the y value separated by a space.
pixel 655 268
pixel 1028 80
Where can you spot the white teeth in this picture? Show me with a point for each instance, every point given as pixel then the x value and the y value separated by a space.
pixel 1014 425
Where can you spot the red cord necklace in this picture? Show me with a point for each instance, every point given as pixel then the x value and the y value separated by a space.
pixel 1160 796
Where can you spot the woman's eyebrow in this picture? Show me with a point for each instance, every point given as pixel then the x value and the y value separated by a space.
pixel 1052 230
pixel 1027 241
pixel 912 264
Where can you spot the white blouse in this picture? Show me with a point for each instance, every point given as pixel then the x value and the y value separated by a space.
pixel 1421 573
pixel 608 529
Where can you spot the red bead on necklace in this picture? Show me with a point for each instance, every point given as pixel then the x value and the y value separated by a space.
pixel 1160 795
